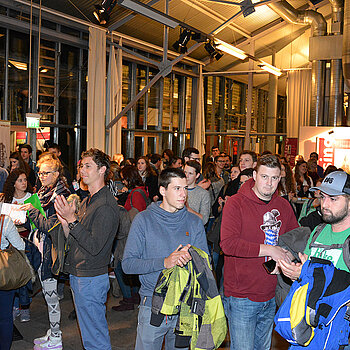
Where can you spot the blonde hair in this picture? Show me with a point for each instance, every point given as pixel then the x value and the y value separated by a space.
pixel 52 161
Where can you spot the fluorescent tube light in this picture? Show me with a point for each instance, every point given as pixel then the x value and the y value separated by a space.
pixel 271 69
pixel 19 65
pixel 230 49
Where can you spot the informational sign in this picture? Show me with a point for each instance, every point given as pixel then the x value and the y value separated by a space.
pixel 291 149
pixel 32 120
pixel 334 152
pixel 4 143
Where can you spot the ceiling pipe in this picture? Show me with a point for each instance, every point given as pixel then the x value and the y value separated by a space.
pixel 319 27
pixel 336 89
pixel 346 43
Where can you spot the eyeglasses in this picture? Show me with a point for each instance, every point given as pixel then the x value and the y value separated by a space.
pixel 193 158
pixel 45 173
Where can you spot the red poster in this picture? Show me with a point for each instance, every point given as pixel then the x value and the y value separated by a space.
pixel 334 152
pixel 325 152
pixel 291 149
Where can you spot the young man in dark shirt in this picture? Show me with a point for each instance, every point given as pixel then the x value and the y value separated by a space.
pixel 90 236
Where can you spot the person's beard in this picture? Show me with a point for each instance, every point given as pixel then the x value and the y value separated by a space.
pixel 331 218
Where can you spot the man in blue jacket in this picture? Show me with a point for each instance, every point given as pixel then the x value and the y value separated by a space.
pixel 159 238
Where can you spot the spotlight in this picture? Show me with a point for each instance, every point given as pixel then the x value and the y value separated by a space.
pixel 181 44
pixel 100 14
pixel 247 7
pixel 103 11
pixel 210 48
pixel 218 55
pixel 199 37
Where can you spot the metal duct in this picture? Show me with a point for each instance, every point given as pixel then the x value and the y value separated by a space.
pixel 336 93
pixel 319 27
pixel 306 17
pixel 346 43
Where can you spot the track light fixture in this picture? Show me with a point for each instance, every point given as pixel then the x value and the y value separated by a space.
pixel 212 50
pixel 181 44
pixel 103 11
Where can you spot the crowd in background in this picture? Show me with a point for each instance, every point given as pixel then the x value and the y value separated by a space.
pixel 211 180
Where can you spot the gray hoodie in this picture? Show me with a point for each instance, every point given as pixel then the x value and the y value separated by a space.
pixel 154 235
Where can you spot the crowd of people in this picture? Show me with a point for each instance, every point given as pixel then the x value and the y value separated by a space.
pixel 153 209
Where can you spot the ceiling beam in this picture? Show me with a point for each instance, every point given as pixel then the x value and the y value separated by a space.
pixel 216 16
pixel 266 30
pixel 129 17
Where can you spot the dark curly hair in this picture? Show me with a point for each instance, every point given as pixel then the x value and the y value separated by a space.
pixel 131 175
pixel 9 185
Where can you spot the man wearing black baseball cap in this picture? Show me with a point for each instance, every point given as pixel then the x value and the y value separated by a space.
pixel 335 209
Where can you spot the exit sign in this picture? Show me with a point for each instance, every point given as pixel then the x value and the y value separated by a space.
pixel 32 120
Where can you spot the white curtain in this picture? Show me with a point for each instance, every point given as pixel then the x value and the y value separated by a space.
pixel 96 94
pixel 199 125
pixel 298 100
pixel 114 100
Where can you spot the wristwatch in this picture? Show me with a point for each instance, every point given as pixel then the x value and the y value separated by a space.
pixel 71 225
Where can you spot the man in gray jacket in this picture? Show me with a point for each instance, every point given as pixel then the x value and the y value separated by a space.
pixel 90 237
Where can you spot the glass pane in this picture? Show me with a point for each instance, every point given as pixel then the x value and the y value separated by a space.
pixel 153 104
pixel 2 71
pixel 188 103
pixel 176 102
pixel 47 80
pixel 140 106
pixel 166 103
pixel 18 76
pixel 66 136
pixel 138 146
pixel 150 145
pixel 69 72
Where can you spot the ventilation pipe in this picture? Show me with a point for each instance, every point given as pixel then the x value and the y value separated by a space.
pixel 319 28
pixel 336 93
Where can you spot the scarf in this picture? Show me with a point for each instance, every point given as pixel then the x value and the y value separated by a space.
pixel 48 194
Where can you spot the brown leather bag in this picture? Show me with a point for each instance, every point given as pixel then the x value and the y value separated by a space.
pixel 15 271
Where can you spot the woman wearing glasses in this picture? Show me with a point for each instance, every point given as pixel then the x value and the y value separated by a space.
pixel 50 174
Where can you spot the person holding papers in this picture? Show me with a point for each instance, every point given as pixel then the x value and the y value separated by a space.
pixel 50 174
pixel 16 190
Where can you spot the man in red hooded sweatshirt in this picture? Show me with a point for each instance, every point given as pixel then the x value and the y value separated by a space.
pixel 251 223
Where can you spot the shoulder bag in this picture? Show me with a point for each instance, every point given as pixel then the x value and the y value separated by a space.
pixel 15 272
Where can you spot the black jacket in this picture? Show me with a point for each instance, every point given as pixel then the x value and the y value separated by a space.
pixel 90 241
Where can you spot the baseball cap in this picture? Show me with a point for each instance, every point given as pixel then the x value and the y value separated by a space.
pixel 336 183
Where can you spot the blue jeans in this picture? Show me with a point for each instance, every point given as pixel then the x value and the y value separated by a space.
pixel 22 297
pixel 127 290
pixel 250 323
pixel 90 295
pixel 6 320
pixel 150 337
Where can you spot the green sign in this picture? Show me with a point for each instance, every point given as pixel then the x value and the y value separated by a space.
pixel 33 120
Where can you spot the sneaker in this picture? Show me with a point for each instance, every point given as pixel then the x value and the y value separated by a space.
pixel 51 343
pixel 15 312
pixel 43 339
pixel 25 315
